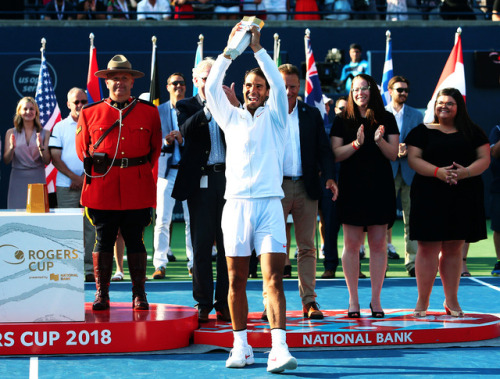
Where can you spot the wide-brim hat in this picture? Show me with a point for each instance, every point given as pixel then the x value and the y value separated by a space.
pixel 119 63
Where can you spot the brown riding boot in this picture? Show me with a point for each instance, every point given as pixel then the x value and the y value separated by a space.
pixel 103 268
pixel 137 263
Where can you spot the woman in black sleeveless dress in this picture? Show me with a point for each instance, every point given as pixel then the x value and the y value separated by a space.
pixel 447 205
pixel 364 141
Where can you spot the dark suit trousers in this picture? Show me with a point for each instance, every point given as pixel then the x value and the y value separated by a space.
pixel 205 211
pixel 328 208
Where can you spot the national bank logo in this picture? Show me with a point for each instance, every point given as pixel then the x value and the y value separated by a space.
pixel 25 76
pixel 13 254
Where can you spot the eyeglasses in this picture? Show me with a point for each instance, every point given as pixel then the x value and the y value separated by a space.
pixel 364 89
pixel 178 83
pixel 340 108
pixel 77 102
pixel 401 90
pixel 448 104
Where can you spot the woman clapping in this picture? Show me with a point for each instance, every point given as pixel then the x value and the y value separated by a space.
pixel 364 141
pixel 26 146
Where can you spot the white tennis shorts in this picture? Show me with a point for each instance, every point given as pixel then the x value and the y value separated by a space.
pixel 249 224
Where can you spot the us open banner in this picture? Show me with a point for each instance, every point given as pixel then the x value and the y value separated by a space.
pixel 41 261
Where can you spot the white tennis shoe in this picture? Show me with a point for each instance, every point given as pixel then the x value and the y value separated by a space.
pixel 240 357
pixel 280 360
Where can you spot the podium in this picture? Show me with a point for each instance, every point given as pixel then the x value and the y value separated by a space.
pixel 41 260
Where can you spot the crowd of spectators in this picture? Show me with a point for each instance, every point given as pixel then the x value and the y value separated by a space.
pixel 391 10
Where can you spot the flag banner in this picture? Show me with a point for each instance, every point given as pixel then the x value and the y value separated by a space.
pixel 94 88
pixel 313 95
pixel 453 75
pixel 198 58
pixel 154 87
pixel 50 113
pixel 388 71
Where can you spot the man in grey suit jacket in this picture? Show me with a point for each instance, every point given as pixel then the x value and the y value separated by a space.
pixel 407 118
pixel 168 164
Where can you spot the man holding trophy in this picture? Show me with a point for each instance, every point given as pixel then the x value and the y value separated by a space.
pixel 253 215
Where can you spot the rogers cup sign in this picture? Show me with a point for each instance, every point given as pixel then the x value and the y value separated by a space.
pixel 41 260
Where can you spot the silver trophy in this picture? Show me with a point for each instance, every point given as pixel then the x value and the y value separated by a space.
pixel 242 37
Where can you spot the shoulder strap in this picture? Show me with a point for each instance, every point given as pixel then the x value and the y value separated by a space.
pixel 116 123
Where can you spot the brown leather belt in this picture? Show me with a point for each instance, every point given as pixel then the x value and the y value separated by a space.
pixel 129 162
pixel 218 167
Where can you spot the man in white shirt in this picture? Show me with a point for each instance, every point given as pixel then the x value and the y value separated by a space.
pixel 69 167
pixel 407 118
pixel 168 164
pixel 307 153
pixel 160 6
pixel 253 215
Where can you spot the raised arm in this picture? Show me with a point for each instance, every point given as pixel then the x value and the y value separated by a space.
pixel 277 101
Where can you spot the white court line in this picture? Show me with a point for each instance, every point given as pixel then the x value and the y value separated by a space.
pixel 33 368
pixel 486 284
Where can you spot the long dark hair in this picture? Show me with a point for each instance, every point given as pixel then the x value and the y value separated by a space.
pixel 462 120
pixel 375 110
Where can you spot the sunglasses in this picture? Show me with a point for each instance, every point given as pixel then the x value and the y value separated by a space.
pixel 178 83
pixel 77 102
pixel 401 90
pixel 341 108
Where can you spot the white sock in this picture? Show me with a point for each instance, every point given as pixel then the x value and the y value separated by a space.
pixel 240 338
pixel 278 337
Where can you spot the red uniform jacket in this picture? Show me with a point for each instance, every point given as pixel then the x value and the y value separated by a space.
pixel 122 188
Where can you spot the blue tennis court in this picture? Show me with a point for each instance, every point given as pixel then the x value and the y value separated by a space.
pixel 471 359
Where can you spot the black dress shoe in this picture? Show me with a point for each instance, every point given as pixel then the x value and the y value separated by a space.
pixel 203 314
pixel 224 315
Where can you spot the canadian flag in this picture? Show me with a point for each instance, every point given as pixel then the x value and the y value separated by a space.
pixel 453 76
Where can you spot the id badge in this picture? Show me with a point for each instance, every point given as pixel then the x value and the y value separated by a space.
pixel 204 181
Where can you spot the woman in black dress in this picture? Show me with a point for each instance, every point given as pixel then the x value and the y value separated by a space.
pixel 447 206
pixel 364 140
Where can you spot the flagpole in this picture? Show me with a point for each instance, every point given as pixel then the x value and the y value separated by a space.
pixel 200 43
pixel 457 34
pixel 307 37
pixel 198 57
pixel 153 40
pixel 276 51
pixel 387 72
pixel 42 49
pixel 91 37
pixel 279 51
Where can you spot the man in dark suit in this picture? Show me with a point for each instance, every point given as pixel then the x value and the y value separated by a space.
pixel 201 180
pixel 307 154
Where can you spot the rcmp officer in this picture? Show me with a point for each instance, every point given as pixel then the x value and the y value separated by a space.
pixel 119 139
